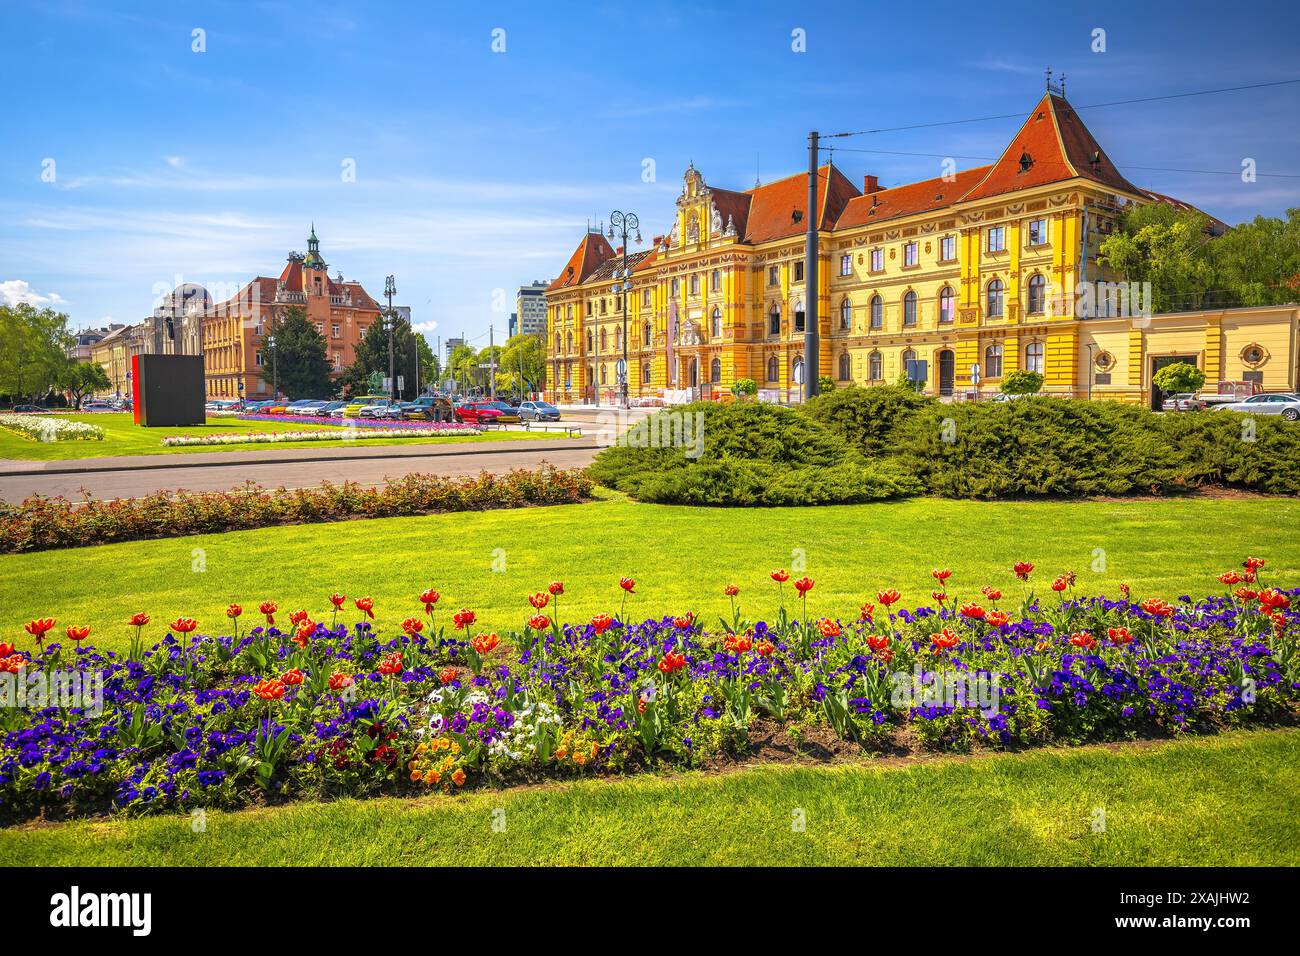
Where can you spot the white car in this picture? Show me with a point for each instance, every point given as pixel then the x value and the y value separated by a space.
pixel 384 409
pixel 1283 403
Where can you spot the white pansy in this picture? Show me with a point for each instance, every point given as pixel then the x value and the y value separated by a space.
pixel 45 428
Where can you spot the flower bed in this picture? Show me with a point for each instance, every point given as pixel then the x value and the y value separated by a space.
pixel 44 428
pixel 41 523
pixel 288 706
pixel 238 438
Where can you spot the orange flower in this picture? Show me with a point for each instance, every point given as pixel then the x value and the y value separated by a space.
pixel 458 777
pixel 139 619
pixel 391 665
pixel 939 596
pixel 627 584
pixel 866 610
pixel 804 585
pixel 463 618
pixel 268 608
pixel 412 626
pixel 945 639
pixel 429 598
pixel 292 678
pixel 78 632
pixel 1253 564
pixel 338 600
pixel 941 574
pixel 233 610
pixel 340 680
pixel 991 593
pixel 539 622
pixel 672 661
pixel 1119 635
pixel 973 611
pixel 183 625
pixel 684 622
pixel 39 627
pixel 764 648
pixel 297 617
pixel 271 689
pixel 1023 570
pixel 1157 607
pixel 539 600
pixel 996 618
pixel 1230 578
pixel 1273 599
pixel 556 588
pixel 447 675
pixel 1244 594
pixel 781 576
pixel 737 643
pixel 1060 584
pixel 1083 639
pixel 366 606
pixel 731 590
pixel 829 628
pixel 601 623
pixel 6 649
pixel 483 643
pixel 888 597
pixel 877 642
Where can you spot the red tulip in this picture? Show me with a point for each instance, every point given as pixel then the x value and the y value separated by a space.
pixel 1023 569
pixel 672 661
pixel 183 625
pixel 829 628
pixel 269 689
pixel 139 619
pixel 1119 635
pixel 39 627
pixel 996 618
pixel 6 649
pixel 1253 564
pixel 627 584
pixel 339 680
pixel 463 618
pixel 539 600
pixel 391 665
pixel 866 610
pixel 233 610
pixel 447 675
pixel 972 610
pixel 539 622
pixel 991 593
pixel 781 576
pixel 804 585
pixel 1060 584
pixel 731 590
pixel 268 608
pixel 483 643
pixel 556 588
pixel 338 600
pixel 1273 599
pixel 292 678
pixel 412 626
pixel 1157 607
pixel 429 598
pixel 1083 639
pixel 941 574
pixel 684 622
pixel 888 597
pixel 366 606
pixel 945 639
pixel 877 642
pixel 297 617
pixel 78 632
pixel 601 623
pixel 1230 578
pixel 764 648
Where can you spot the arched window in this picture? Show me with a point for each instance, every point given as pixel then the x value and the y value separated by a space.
pixel 715 281
pixel 875 372
pixel 798 315
pixel 774 320
pixel 1034 357
pixel 845 368
pixel 591 374
pixel 846 314
pixel 589 340
pixel 646 335
pixel 677 286
pixel 716 323
pixel 907 356
pixel 715 371
pixel 993 361
pixel 996 300
pixel 1037 294
pixel 604 341
pixel 797 369
pixel 909 309
pixel 877 312
pixel 559 342
pixel 618 338
pixel 602 375
pixel 568 376
pixel 773 369
pixel 947 304
pixel 645 374
pixel 568 341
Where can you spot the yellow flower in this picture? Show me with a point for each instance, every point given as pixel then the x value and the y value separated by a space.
pixel 458 777
pixel 432 777
pixel 415 774
pixel 561 753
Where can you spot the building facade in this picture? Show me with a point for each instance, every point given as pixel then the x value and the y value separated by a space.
pixel 952 282
pixel 114 352
pixel 530 310
pixel 239 358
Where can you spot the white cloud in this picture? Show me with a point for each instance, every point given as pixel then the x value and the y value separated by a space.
pixel 15 291
pixel 175 162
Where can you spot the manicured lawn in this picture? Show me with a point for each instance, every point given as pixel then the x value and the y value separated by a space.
pixel 680 557
pixel 1226 800
pixel 123 437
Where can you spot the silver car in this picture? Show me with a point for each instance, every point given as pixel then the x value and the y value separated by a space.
pixel 1283 403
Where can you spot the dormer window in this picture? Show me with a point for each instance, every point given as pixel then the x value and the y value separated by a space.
pixel 1026 162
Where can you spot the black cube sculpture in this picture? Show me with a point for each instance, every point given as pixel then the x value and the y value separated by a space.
pixel 167 390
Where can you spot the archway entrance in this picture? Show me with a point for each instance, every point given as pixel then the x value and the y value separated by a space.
pixel 947 367
pixel 1157 363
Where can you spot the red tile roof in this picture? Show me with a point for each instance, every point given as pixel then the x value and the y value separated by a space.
pixel 925 196
pixel 591 252
pixel 772 205
pixel 1053 145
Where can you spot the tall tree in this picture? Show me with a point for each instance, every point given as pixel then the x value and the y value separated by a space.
pixel 301 363
pixel 80 379
pixel 1258 262
pixel 34 345
pixel 411 355
pixel 1167 247
pixel 523 354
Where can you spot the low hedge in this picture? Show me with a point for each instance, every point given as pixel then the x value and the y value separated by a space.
pixel 42 523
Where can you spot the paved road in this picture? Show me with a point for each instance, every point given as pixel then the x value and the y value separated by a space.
pixel 126 478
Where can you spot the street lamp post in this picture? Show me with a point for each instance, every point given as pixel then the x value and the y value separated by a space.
pixel 625 223
pixel 390 290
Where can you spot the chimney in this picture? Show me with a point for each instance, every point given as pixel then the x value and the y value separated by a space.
pixel 618 251
pixel 870 184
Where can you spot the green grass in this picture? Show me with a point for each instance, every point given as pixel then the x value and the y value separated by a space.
pixel 1228 800
pixel 123 437
pixel 681 558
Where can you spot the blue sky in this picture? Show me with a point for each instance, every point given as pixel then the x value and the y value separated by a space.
pixel 477 170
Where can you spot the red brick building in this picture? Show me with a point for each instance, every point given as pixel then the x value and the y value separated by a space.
pixel 237 361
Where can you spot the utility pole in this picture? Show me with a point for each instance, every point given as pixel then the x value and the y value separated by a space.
pixel 492 362
pixel 811 365
pixel 390 289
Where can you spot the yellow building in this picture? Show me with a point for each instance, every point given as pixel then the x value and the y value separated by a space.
pixel 114 351
pixel 953 281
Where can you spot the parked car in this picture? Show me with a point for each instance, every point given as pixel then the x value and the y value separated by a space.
pixel 429 408
pixel 30 408
pixel 315 407
pixel 538 412
pixel 359 402
pixel 1280 403
pixel 331 409
pixel 97 407
pixel 381 409
pixel 509 413
pixel 258 406
pixel 1182 402
pixel 478 413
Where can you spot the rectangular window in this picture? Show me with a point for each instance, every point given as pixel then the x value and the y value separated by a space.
pixel 877 260
pixel 319 328
pixel 910 254
pixel 695 284
pixel 645 298
pixel 257 357
pixel 846 265
pixel 947 248
pixel 997 238
pixel 773 275
pixel 1038 232
pixel 798 271
pixel 715 281
pixel 334 330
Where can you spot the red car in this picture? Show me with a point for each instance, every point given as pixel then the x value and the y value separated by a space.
pixel 477 413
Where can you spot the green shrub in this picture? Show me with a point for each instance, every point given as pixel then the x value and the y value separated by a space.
pixel 866 417
pixel 1234 450
pixel 734 482
pixel 1179 377
pixel 1022 382
pixel 1038 446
